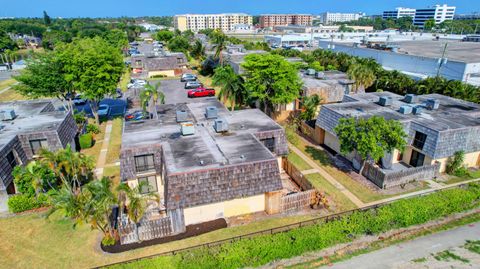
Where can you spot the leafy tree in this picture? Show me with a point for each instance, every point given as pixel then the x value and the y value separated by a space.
pixel 44 76
pixel 33 179
pixel 429 24
pixel 6 43
pixel 197 50
pixel 271 79
pixel 345 28
pixel 117 38
pixel 135 201
pixel 53 37
pixel 46 18
pixel 310 106
pixel 164 35
pixel 370 138
pixel 178 44
pixel 93 67
pixel 232 86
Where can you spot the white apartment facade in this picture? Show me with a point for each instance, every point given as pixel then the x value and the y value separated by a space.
pixel 329 17
pixel 399 12
pixel 439 13
pixel 224 22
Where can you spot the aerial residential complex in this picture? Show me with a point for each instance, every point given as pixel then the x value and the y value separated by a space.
pixel 399 12
pixel 437 126
pixel 270 20
pixel 224 21
pixel 329 17
pixel 25 128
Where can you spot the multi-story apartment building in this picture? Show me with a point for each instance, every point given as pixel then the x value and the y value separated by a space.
pixel 399 12
pixel 270 20
pixel 439 13
pixel 329 17
pixel 224 22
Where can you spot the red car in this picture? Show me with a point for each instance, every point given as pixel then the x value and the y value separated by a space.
pixel 201 92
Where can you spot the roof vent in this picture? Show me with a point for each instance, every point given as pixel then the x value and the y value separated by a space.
pixel 320 75
pixel 182 115
pixel 221 126
pixel 242 157
pixel 405 110
pixel 311 72
pixel 211 112
pixel 417 110
pixel 202 162
pixel 187 128
pixel 385 101
pixel 433 104
pixel 8 114
pixel 411 98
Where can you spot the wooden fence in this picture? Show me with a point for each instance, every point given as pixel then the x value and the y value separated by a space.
pixel 296 201
pixel 296 175
pixel 147 230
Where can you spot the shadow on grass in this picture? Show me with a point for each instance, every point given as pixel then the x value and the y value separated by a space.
pixel 318 155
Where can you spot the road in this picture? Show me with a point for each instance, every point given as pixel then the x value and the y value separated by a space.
pixel 395 255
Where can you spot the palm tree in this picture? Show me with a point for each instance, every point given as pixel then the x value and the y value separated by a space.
pixel 233 89
pixel 149 93
pixel 363 75
pixel 198 50
pixel 310 105
pixel 219 40
pixel 135 201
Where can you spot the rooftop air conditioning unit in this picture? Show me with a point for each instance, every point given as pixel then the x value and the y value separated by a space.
pixel 405 110
pixel 182 116
pixel 320 75
pixel 211 112
pixel 8 114
pixel 411 98
pixel 220 126
pixel 385 101
pixel 417 110
pixel 187 128
pixel 433 104
pixel 311 72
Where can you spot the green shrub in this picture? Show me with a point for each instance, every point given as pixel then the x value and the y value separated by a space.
pixel 93 129
pixel 455 163
pixel 22 202
pixel 86 141
pixel 80 117
pixel 33 175
pixel 263 249
pixel 158 76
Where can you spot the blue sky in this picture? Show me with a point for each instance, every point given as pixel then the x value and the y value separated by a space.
pixel 115 8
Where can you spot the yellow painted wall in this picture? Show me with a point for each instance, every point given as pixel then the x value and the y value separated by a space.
pixel 224 209
pixel 471 160
pixel 181 23
pixel 168 73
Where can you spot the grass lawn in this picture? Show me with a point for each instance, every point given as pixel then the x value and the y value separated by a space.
pixel 122 84
pixel 115 143
pixel 298 162
pixel 113 172
pixel 95 150
pixel 10 94
pixel 341 202
pixel 30 241
pixel 474 174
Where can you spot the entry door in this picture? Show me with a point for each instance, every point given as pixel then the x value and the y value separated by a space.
pixel 417 159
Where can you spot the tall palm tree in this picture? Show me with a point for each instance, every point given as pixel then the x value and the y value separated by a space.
pixel 363 75
pixel 219 40
pixel 232 87
pixel 151 92
pixel 135 202
pixel 310 105
pixel 198 50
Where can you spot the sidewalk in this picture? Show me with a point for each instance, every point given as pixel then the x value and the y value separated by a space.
pixel 102 158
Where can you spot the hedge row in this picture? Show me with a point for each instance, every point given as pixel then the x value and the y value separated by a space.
pixel 23 202
pixel 267 248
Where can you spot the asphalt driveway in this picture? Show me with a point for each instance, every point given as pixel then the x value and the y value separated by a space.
pixel 175 91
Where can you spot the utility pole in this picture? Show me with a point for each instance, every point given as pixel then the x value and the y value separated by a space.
pixel 442 60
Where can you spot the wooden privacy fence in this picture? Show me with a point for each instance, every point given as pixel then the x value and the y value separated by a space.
pixel 296 201
pixel 296 175
pixel 147 230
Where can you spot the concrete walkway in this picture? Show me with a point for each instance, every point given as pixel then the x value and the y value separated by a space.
pixel 327 176
pixel 102 158
pixel 393 256
pixel 8 88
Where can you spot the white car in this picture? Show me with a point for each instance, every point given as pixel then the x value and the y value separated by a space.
pixel 140 82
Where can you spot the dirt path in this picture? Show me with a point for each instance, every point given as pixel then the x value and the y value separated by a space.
pixel 102 157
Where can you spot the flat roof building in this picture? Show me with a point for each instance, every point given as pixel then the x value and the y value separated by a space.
pixel 439 13
pixel 25 128
pixel 271 20
pixel 398 13
pixel 225 21
pixel 330 17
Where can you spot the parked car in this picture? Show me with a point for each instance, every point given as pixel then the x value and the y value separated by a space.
pixel 193 85
pixel 140 82
pixel 103 110
pixel 201 92
pixel 136 115
pixel 188 77
pixel 78 100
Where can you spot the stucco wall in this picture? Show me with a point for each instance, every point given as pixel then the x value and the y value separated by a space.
pixel 224 209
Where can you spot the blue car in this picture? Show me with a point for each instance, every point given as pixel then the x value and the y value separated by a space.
pixel 103 111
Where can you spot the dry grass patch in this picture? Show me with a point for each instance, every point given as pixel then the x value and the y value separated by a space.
pixel 340 201
pixel 115 142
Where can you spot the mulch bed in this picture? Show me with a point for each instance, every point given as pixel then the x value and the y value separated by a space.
pixel 191 230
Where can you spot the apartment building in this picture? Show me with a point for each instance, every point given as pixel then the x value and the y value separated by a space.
pixel 399 12
pixel 271 20
pixel 224 21
pixel 439 13
pixel 329 17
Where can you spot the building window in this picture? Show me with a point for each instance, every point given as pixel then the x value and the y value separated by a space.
pixel 37 145
pixel 144 163
pixel 419 140
pixel 11 159
pixel 150 184
pixel 269 143
pixel 417 159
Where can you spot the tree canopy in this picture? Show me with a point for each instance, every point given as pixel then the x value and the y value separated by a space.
pixel 271 79
pixel 164 35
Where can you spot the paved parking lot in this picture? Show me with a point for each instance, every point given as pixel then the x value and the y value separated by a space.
pixel 4 75
pixel 117 107
pixel 175 92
